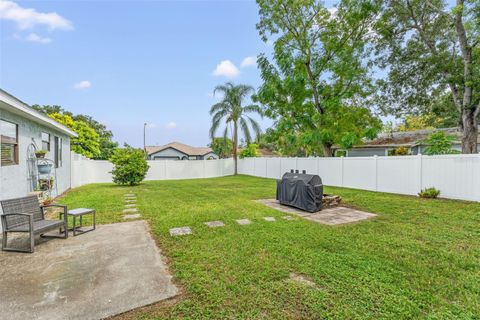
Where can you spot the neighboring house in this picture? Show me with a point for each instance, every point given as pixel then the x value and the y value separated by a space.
pixel 179 151
pixel 412 140
pixel 22 132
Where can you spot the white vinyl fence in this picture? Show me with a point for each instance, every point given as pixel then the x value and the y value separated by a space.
pixel 85 171
pixel 456 176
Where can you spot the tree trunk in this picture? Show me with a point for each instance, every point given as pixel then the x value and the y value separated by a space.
pixel 327 150
pixel 470 131
pixel 235 145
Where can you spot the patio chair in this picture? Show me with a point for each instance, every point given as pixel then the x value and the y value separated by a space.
pixel 27 215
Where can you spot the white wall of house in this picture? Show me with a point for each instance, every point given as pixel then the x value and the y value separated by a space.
pixel 14 178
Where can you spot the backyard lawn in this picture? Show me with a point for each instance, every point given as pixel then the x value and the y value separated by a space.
pixel 417 259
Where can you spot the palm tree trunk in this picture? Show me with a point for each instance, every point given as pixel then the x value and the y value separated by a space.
pixel 235 145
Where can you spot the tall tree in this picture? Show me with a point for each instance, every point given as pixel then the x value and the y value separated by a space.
pixel 429 50
pixel 232 111
pixel 318 76
pixel 87 143
pixel 106 144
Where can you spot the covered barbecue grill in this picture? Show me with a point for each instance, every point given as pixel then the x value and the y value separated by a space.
pixel 300 190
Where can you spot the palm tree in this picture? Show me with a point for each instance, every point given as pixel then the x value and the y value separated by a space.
pixel 232 112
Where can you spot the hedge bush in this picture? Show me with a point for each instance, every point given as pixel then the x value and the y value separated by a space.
pixel 129 166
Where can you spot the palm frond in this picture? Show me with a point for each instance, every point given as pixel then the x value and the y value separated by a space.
pixel 255 126
pixel 216 121
pixel 253 108
pixel 217 107
pixel 245 129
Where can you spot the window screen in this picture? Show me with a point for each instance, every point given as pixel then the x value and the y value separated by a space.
pixel 9 143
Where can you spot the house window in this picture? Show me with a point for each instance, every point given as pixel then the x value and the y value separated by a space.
pixel 58 152
pixel 9 143
pixel 45 141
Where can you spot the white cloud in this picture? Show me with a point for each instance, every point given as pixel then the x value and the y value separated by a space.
pixel 83 84
pixel 33 37
pixel 333 11
pixel 27 18
pixel 248 62
pixel 171 125
pixel 227 69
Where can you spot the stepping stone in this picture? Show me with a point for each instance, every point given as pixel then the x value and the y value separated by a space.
pixel 131 216
pixel 130 195
pixel 131 205
pixel 214 224
pixel 130 200
pixel 269 219
pixel 131 210
pixel 180 231
pixel 243 221
pixel 288 218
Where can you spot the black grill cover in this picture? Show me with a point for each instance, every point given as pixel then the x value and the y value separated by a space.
pixel 302 191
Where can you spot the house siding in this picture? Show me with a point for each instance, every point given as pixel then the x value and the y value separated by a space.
pixel 167 154
pixel 366 152
pixel 14 179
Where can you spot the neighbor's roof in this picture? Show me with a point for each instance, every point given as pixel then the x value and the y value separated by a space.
pixel 16 106
pixel 408 138
pixel 188 150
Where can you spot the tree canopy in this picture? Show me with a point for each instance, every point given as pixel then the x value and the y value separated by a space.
pixel 316 86
pixel 87 143
pixel 106 145
pixel 431 54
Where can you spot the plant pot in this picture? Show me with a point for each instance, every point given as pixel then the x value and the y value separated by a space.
pixel 40 155
pixel 44 168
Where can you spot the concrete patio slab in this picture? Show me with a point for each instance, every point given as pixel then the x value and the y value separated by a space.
pixel 114 269
pixel 243 221
pixel 180 231
pixel 329 216
pixel 215 224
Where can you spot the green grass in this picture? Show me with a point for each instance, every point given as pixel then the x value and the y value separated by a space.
pixel 418 259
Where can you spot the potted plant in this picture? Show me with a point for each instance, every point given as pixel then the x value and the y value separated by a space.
pixel 40 154
pixel 44 168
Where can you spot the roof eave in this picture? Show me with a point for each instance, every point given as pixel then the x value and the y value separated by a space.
pixel 21 108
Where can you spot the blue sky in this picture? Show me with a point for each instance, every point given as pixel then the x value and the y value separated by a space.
pixel 130 62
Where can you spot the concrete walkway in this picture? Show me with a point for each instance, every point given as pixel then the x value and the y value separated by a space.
pixel 111 270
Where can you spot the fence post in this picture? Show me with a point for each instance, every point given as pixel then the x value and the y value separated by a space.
pixel 376 172
pixel 341 162
pixel 165 167
pixel 420 172
pixel 266 167
pixel 296 163
pixel 204 174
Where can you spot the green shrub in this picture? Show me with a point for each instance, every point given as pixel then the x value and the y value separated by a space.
pixel 429 193
pixel 250 151
pixel 400 151
pixel 129 166
pixel 439 143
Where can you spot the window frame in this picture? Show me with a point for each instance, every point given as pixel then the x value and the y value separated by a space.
pixel 58 145
pixel 15 145
pixel 45 141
